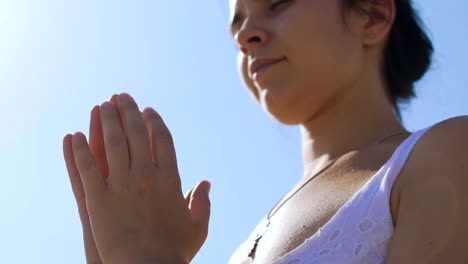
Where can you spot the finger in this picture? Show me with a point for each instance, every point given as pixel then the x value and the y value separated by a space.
pixel 137 133
pixel 200 207
pixel 93 182
pixel 92 254
pixel 75 180
pixel 115 142
pixel 96 141
pixel 161 140
pixel 113 101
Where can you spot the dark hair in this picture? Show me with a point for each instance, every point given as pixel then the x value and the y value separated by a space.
pixel 408 53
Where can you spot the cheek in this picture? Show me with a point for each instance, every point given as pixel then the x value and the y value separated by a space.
pixel 242 65
pixel 332 65
pixel 325 56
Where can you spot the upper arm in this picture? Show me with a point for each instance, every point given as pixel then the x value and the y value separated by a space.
pixel 432 217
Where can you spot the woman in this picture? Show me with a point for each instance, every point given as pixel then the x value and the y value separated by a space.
pixel 371 192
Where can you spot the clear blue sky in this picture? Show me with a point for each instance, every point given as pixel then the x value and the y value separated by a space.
pixel 59 58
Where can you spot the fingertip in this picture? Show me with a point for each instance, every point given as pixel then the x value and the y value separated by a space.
pixel 66 137
pixel 124 99
pixel 78 134
pixel 124 94
pixel 95 117
pixel 147 112
pixel 113 99
pixel 148 109
pixel 107 105
pixel 95 110
pixel 78 138
pixel 206 182
pixel 66 142
pixel 206 185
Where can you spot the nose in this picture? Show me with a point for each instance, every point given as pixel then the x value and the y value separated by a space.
pixel 250 37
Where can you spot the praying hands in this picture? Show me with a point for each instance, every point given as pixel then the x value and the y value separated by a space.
pixel 128 189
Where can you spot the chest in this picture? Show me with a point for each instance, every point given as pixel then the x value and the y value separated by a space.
pixel 301 216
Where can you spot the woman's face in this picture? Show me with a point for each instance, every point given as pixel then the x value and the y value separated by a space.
pixel 311 53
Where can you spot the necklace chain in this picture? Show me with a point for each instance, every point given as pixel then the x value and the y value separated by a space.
pixel 271 213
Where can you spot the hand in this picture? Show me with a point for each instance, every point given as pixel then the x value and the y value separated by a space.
pixel 168 225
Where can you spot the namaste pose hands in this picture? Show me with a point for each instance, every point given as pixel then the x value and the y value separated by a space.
pixel 127 186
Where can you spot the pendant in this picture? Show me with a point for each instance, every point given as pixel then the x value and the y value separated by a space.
pixel 264 224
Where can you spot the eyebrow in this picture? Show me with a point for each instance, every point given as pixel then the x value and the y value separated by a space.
pixel 238 16
pixel 235 19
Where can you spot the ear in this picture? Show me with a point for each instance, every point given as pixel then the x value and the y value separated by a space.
pixel 380 16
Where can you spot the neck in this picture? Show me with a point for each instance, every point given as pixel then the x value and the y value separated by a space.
pixel 350 122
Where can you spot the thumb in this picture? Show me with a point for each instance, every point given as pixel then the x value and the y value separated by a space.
pixel 200 206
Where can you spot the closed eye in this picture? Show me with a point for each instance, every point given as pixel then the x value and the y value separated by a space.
pixel 237 19
pixel 278 3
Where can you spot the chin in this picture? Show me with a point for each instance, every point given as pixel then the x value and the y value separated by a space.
pixel 285 115
pixel 286 118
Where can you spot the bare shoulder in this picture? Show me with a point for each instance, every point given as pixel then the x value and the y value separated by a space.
pixel 431 224
pixel 442 153
pixel 445 146
pixel 451 134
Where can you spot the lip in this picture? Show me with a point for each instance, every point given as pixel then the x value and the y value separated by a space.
pixel 259 65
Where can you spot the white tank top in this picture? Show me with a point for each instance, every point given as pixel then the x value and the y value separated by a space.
pixel 361 230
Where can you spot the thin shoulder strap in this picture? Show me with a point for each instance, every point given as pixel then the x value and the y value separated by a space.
pixel 398 160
